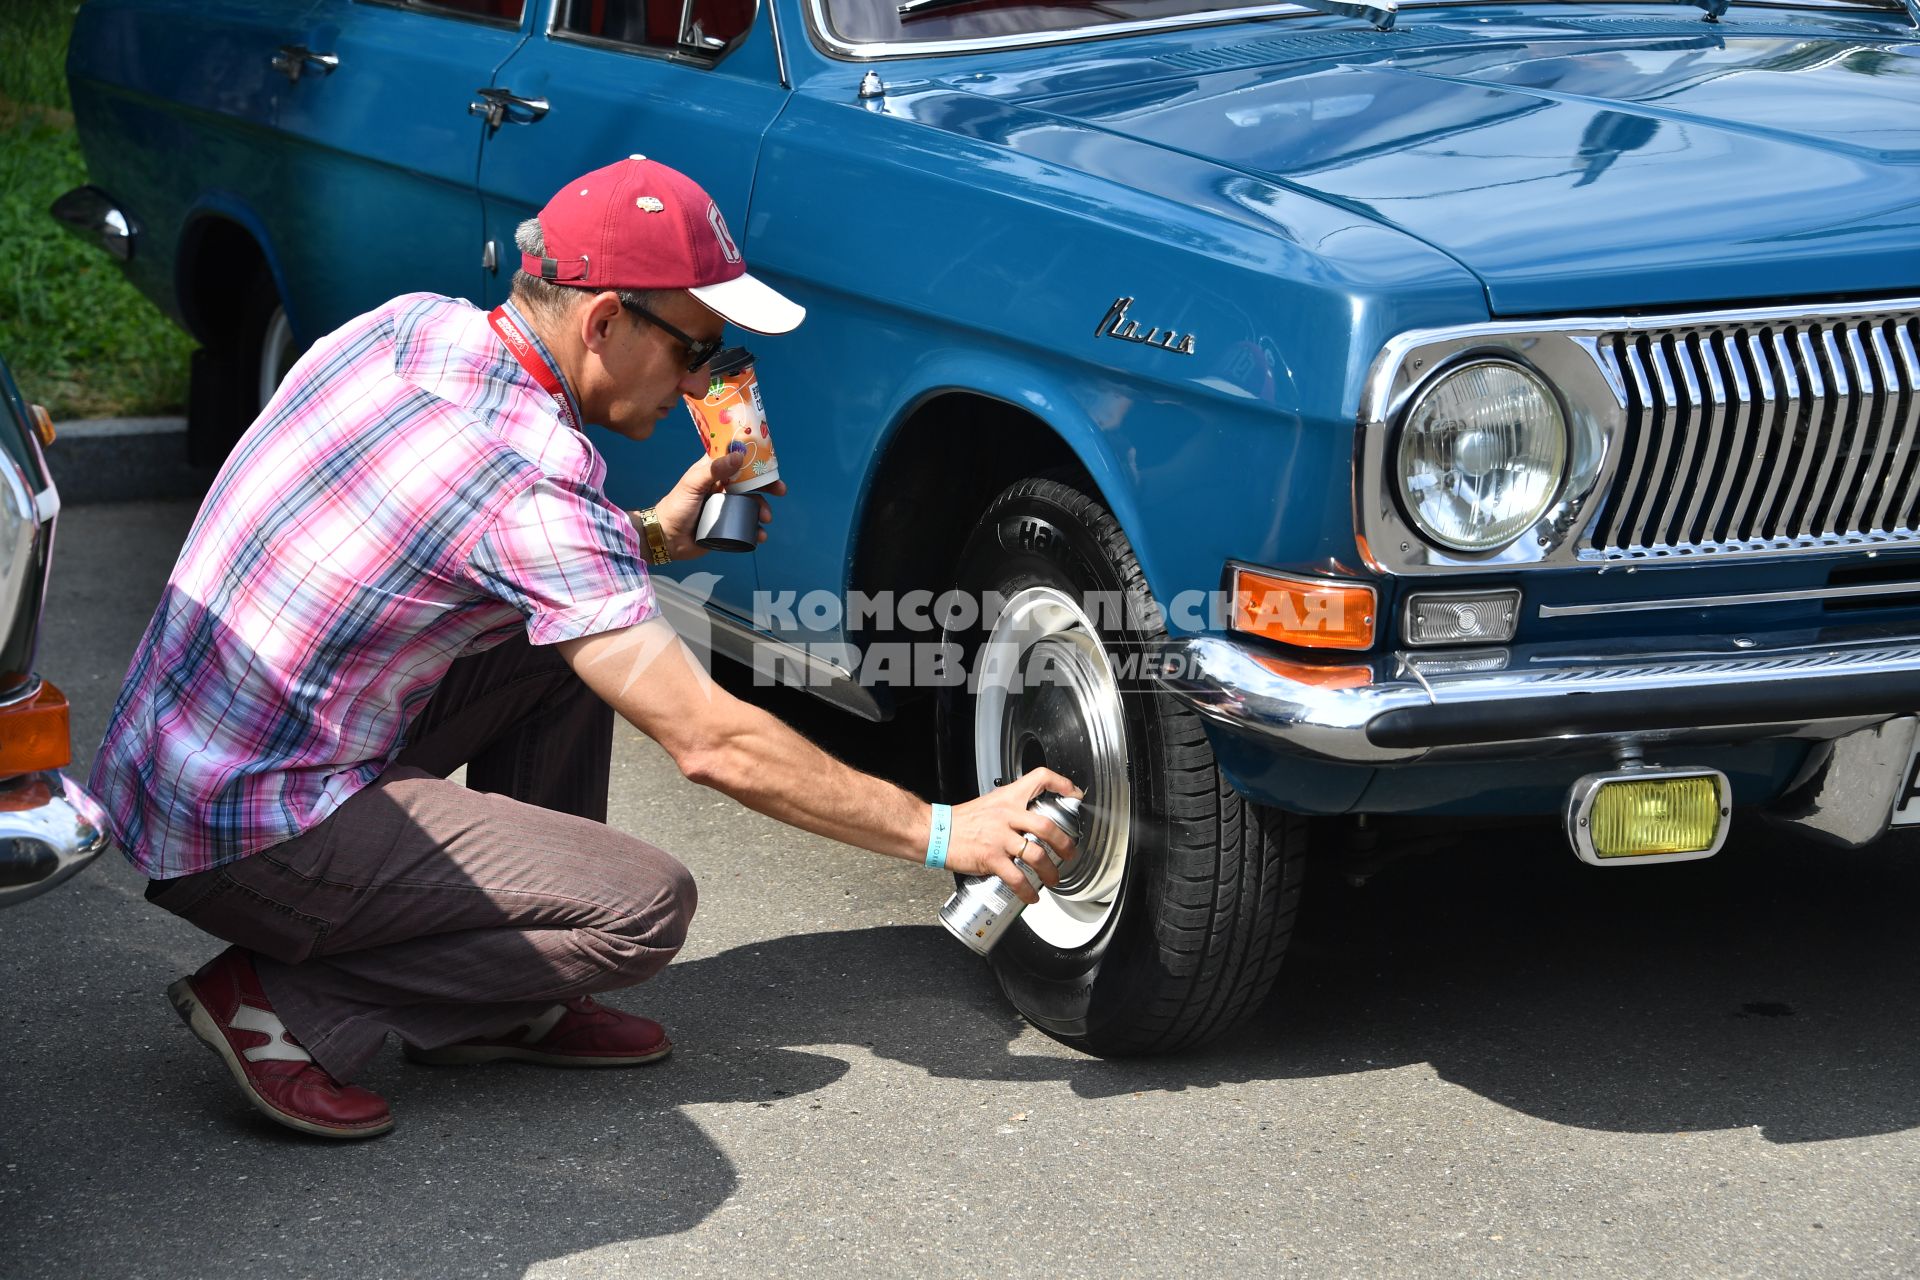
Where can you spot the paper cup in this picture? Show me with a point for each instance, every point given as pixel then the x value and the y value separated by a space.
pixel 732 410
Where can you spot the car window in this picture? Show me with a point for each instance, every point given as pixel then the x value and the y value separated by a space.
pixel 505 13
pixel 707 27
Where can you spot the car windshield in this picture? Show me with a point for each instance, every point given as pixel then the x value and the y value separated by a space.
pixel 880 21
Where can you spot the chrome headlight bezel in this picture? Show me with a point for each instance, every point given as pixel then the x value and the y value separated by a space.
pixel 1521 521
pixel 1590 408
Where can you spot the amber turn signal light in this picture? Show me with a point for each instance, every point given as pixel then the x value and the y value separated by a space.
pixel 42 423
pixel 1313 613
pixel 35 734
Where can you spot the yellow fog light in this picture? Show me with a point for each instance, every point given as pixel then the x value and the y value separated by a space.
pixel 1648 814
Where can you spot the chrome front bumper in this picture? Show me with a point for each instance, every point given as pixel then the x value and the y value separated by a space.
pixel 1544 704
pixel 49 830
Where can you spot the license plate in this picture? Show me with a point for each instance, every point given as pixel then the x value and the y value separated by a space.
pixel 1906 802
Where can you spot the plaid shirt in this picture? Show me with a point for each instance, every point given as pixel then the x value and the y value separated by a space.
pixel 408 497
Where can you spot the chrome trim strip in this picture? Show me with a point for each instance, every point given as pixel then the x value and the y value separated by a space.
pixel 1864 511
pixel 779 44
pixel 1226 682
pixel 1836 406
pixel 1868 435
pixel 1675 419
pixel 1773 391
pixel 735 639
pixel 1910 365
pixel 1865 590
pixel 1741 462
pixel 1708 462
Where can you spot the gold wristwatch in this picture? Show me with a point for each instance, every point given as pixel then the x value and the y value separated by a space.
pixel 656 532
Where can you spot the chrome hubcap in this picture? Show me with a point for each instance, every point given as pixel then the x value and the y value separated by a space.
pixel 276 354
pixel 1047 697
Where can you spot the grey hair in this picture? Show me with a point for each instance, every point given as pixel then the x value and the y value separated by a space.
pixel 552 301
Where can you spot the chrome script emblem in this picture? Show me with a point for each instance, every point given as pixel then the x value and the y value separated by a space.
pixel 1116 325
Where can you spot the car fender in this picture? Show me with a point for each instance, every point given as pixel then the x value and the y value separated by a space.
pixel 1048 394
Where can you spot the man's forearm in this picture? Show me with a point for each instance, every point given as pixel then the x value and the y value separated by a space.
pixel 650 678
pixel 769 768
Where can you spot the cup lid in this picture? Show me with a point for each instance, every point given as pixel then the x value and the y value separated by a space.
pixel 730 361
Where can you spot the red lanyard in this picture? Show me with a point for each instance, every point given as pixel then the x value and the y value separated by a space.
pixel 508 327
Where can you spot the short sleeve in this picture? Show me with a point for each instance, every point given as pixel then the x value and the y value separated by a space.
pixel 566 558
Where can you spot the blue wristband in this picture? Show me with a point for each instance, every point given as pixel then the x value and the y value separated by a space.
pixel 937 838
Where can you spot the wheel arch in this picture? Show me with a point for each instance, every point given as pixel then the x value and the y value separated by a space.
pixel 222 245
pixel 951 447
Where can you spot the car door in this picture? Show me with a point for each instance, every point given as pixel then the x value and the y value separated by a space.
pixel 384 147
pixel 691 83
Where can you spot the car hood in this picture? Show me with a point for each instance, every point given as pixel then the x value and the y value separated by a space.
pixel 1573 164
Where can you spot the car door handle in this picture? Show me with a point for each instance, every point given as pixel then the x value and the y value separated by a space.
pixel 292 59
pixel 501 106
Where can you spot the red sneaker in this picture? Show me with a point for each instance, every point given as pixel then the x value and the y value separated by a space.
pixel 226 1007
pixel 578 1033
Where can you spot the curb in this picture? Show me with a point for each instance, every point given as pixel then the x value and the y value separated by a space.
pixel 124 460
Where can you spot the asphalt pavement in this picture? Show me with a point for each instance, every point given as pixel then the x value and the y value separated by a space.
pixel 1498 1063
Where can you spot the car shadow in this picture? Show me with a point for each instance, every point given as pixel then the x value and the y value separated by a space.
pixel 1770 988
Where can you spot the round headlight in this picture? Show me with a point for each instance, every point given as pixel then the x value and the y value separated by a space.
pixel 1482 452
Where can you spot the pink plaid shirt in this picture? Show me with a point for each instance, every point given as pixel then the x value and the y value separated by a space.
pixel 410 496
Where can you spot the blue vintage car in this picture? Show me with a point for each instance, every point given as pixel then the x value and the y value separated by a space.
pixel 1367 421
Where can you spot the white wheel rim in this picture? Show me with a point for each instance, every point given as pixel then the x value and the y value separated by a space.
pixel 1047 696
pixel 276 354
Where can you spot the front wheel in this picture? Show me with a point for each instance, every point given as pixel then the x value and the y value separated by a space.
pixel 1170 925
pixel 231 380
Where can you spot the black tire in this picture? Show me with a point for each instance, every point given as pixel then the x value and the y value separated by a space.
pixel 223 383
pixel 1196 934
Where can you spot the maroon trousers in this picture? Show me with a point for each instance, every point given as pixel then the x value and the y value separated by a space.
pixel 442 912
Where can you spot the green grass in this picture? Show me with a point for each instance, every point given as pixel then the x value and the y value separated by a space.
pixel 78 337
pixel 33 35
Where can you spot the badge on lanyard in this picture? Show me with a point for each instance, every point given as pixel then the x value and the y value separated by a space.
pixel 530 359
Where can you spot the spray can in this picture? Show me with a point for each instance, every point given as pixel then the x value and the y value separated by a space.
pixel 732 413
pixel 982 907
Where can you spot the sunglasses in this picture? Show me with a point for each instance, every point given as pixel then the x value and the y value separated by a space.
pixel 698 353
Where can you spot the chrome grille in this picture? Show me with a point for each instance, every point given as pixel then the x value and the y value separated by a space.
pixel 1775 434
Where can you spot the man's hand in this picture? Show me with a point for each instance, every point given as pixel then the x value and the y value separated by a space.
pixel 680 510
pixel 988 836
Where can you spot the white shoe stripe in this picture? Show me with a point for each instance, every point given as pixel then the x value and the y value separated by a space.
pixel 279 1049
pixel 536 1030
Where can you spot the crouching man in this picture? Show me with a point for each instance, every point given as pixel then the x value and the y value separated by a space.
pixel 408 565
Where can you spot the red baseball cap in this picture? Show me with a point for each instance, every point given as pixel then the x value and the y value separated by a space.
pixel 637 224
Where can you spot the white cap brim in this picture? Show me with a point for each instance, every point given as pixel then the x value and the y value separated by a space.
pixel 746 302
